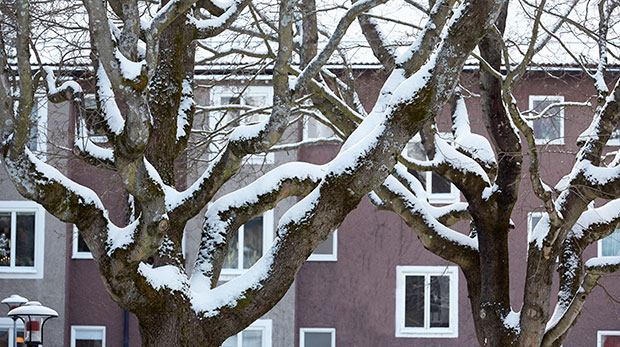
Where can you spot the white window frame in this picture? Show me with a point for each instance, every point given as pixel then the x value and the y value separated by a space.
pixel 309 121
pixel 218 92
pixel 530 227
pixel 23 272
pixel 601 333
pixel 41 140
pixel 303 331
pixel 437 198
pixel 264 325
pixel 98 328
pixel 333 256
pixel 230 273
pixel 7 323
pixel 76 254
pixel 427 332
pixel 553 99
pixel 81 133
pixel 599 245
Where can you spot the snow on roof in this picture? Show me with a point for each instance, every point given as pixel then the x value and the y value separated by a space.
pixel 33 308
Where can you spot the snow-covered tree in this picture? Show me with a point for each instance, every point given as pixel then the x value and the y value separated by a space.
pixel 143 57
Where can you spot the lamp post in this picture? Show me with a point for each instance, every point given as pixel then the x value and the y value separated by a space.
pixel 14 301
pixel 34 315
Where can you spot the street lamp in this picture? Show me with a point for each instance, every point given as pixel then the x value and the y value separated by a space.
pixel 14 301
pixel 34 315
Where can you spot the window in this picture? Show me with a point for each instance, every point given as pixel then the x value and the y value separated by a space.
pixel 327 250
pixel 532 220
pixel 607 338
pixel 80 248
pixel 314 129
pixel 6 332
pixel 38 133
pixel 87 336
pixel 550 128
pixel 610 246
pixel 90 126
pixel 438 189
pixel 426 301
pixel 317 337
pixel 253 239
pixel 256 335
pixel 21 239
pixel 252 96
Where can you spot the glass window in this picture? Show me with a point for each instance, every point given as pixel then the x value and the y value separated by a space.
pixel 253 239
pixel 90 126
pixel 327 250
pixel 315 129
pixel 21 239
pixel 427 301
pixel 37 142
pixel 256 335
pixel 439 190
pixel 548 128
pixel 6 332
pixel 610 246
pixel 317 337
pixel 251 102
pixel 80 248
pixel 87 336
pixel 608 339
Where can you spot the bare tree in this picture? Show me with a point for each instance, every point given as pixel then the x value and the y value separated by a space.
pixel 143 58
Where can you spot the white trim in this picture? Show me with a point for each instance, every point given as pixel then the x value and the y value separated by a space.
pixel 401 273
pixel 29 272
pixel 530 227
pixel 7 323
pixel 76 254
pixel 216 95
pixel 331 331
pixel 599 246
pixel 41 117
pixel 230 273
pixel 553 99
pixel 309 121
pixel 264 325
pixel 601 333
pixel 93 328
pixel 333 256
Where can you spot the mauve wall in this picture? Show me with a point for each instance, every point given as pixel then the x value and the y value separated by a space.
pixel 356 294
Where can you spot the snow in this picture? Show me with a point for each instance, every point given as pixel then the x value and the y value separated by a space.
pixel 603 261
pixel 129 69
pixel 164 277
pixel 511 321
pixel 540 231
pixel 111 112
pixel 187 102
pixel 605 214
pixel 50 80
pixel 120 238
pixel 33 308
pixel 216 22
pixel 84 144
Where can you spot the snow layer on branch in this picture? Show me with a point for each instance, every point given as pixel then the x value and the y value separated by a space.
pixel 164 277
pixel 129 69
pixel 248 132
pixel 511 321
pixel 216 22
pixel 208 302
pixel 419 206
pixel 540 231
pixel 50 80
pixel 86 195
pixel 600 175
pixel 603 261
pixel 120 238
pixel 600 215
pixel 111 112
pixel 187 102
pixel 476 145
pixel 558 313
pixel 86 145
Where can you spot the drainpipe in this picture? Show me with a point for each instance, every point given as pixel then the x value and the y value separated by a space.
pixel 125 328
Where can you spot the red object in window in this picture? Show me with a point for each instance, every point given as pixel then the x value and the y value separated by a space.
pixel 33 326
pixel 611 341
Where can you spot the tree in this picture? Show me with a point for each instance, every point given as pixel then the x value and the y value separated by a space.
pixel 144 73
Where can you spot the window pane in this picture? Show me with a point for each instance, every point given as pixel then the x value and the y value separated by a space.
pixel 232 256
pixel 5 239
pixel 317 339
pixel 610 341
pixel 440 301
pixel 611 244
pixel 24 255
pixel 548 128
pixel 230 342
pixel 439 185
pixel 255 101
pixel 34 128
pixel 414 301
pixel 4 337
pixel 327 246
pixel 88 343
pixel 253 241
pixel 252 338
pixel 231 116
pixel 82 246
